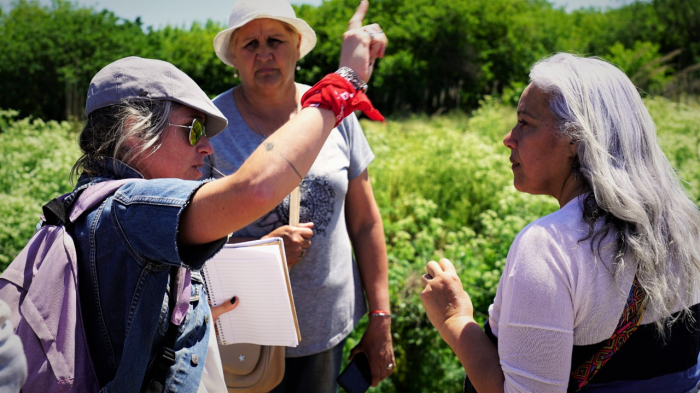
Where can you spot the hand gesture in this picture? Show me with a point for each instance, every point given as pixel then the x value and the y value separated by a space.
pixel 296 240
pixel 217 311
pixel 362 45
pixel 443 297
pixel 377 346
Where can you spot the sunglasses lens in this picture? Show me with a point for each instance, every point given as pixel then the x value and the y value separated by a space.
pixel 196 132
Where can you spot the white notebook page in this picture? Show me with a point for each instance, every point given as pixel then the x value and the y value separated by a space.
pixel 256 275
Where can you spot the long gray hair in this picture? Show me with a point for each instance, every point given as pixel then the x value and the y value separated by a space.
pixel 635 191
pixel 107 130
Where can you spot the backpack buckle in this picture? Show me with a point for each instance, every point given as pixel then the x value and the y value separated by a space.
pixel 168 355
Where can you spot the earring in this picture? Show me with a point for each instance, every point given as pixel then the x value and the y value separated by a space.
pixel 298 67
pixel 235 73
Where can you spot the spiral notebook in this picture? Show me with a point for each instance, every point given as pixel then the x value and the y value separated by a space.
pixel 256 272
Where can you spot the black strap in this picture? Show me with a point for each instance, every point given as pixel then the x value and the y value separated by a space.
pixel 159 371
pixel 55 212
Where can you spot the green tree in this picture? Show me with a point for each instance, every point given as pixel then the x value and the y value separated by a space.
pixel 49 54
pixel 443 54
pixel 193 52
pixel 643 64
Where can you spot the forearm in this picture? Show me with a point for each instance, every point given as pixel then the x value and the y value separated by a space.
pixel 476 352
pixel 366 232
pixel 268 175
pixel 370 252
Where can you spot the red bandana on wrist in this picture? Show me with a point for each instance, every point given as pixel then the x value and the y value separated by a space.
pixel 335 93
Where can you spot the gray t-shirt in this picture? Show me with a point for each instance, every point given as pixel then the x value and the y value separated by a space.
pixel 326 284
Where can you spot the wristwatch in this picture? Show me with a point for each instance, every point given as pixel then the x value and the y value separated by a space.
pixel 350 75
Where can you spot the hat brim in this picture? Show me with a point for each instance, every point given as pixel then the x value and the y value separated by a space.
pixel 222 41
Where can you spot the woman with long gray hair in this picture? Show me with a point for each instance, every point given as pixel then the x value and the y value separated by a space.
pixel 603 293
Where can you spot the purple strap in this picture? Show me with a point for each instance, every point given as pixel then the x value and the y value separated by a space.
pixel 182 296
pixel 94 195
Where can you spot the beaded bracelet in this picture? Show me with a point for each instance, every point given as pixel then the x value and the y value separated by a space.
pixel 380 313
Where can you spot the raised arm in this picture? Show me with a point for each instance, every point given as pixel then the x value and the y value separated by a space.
pixel 278 165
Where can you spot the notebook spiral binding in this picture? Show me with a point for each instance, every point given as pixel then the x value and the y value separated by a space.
pixel 212 301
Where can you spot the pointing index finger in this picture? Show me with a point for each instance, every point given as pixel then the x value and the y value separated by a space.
pixel 356 20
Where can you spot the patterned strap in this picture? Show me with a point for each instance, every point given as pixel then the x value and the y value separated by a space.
pixel 629 322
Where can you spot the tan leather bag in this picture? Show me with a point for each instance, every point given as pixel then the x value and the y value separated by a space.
pixel 252 368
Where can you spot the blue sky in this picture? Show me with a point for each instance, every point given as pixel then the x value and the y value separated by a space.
pixel 158 13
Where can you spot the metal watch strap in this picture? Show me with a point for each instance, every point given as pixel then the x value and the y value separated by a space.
pixel 351 76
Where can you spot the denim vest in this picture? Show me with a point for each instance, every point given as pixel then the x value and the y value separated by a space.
pixel 126 247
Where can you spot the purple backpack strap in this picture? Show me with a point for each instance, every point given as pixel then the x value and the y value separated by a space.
pixel 56 212
pixel 94 195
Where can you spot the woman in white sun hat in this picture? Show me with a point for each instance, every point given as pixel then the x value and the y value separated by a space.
pixel 338 212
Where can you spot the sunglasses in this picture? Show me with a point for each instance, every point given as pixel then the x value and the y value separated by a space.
pixel 197 130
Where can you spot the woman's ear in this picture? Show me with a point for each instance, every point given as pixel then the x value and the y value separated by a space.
pixel 232 48
pixel 299 38
pixel 573 149
pixel 130 140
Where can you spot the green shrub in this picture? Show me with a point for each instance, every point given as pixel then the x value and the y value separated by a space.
pixel 35 162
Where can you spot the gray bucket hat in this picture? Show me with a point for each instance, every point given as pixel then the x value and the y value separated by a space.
pixel 245 11
pixel 136 78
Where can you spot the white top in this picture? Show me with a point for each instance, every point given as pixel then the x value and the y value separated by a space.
pixel 554 293
pixel 213 374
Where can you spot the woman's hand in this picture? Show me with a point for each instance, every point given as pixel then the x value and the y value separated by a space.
pixel 443 297
pixel 362 45
pixel 377 346
pixel 450 310
pixel 224 307
pixel 296 240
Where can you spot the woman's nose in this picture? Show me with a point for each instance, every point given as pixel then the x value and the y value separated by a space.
pixel 264 53
pixel 509 141
pixel 204 146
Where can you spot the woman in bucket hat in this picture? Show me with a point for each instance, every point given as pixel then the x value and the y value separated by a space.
pixel 338 212
pixel 148 121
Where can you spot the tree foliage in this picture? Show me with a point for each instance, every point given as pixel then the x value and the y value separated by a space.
pixel 443 54
pixel 192 52
pixel 48 55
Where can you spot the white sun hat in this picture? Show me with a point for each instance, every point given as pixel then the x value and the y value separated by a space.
pixel 245 11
